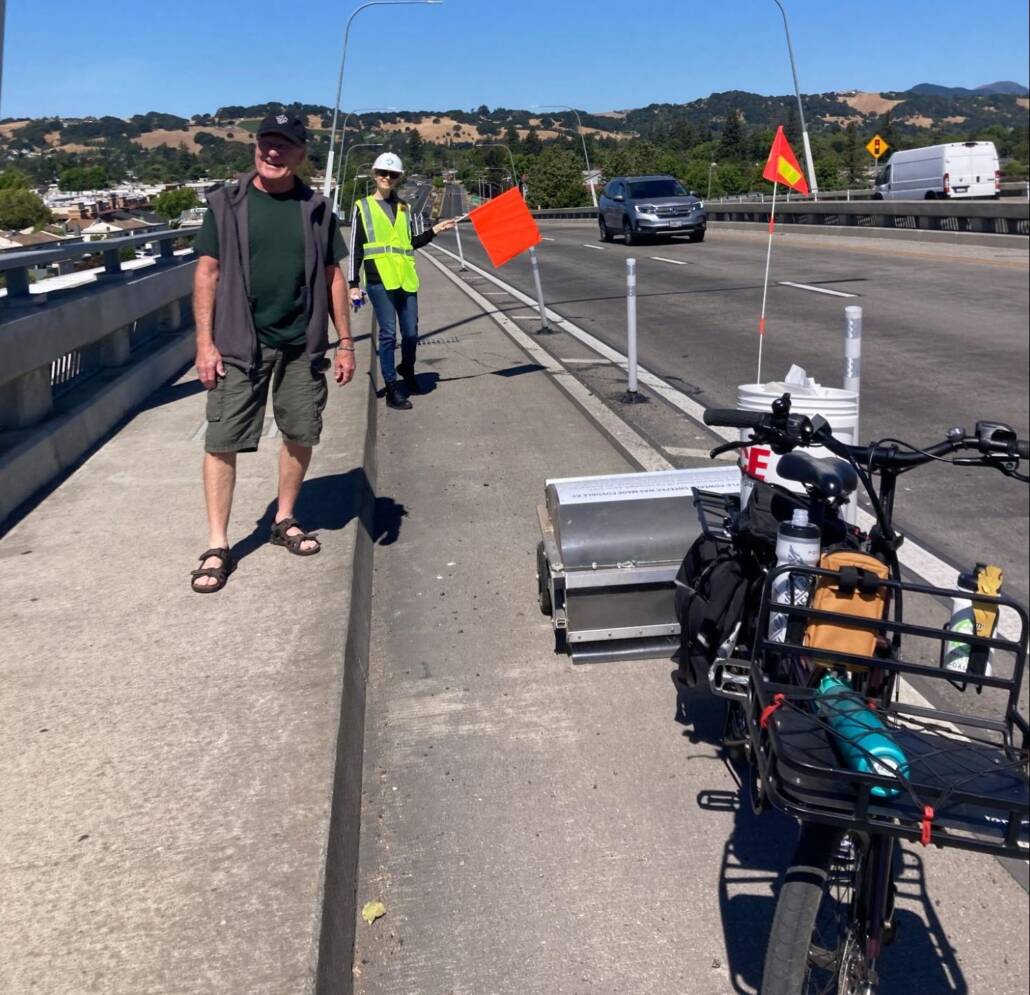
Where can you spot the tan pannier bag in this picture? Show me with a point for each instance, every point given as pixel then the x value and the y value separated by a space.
pixel 849 593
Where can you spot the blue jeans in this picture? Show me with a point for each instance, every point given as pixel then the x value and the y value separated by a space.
pixel 393 307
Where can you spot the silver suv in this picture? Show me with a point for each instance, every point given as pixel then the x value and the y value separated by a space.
pixel 636 206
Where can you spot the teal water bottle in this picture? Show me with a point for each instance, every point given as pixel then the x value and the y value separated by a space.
pixel 860 733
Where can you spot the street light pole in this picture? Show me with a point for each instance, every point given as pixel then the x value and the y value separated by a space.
pixel 812 184
pixel 579 127
pixel 339 80
pixel 711 166
pixel 362 145
pixel 343 141
pixel 507 148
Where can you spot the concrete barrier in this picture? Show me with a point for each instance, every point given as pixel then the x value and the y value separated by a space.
pixel 80 353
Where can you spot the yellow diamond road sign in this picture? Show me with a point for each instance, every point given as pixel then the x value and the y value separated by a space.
pixel 876 146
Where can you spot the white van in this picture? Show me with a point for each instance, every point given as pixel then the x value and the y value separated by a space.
pixel 959 169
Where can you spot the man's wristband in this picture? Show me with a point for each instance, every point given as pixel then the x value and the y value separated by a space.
pixel 345 348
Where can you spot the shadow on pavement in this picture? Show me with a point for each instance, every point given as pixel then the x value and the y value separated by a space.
pixel 328 504
pixel 170 394
pixel 756 856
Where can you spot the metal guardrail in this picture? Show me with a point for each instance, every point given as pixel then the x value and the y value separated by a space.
pixel 16 265
pixel 958 216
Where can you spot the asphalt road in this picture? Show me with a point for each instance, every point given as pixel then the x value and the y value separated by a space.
pixel 944 343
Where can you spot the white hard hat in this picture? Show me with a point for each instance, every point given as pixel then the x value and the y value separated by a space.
pixel 390 161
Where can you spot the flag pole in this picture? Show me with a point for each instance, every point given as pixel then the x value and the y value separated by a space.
pixel 765 285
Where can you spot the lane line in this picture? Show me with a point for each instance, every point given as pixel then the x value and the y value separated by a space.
pixel 914 557
pixel 675 262
pixel 698 453
pixel 815 290
pixel 587 245
pixel 548 238
pixel 568 360
pixel 625 437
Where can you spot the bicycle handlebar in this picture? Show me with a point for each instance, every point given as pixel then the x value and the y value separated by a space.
pixel 731 418
pixel 784 432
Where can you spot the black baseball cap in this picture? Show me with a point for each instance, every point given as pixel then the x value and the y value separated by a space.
pixel 287 125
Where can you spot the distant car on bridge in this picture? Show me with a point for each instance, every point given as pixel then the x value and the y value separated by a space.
pixel 640 206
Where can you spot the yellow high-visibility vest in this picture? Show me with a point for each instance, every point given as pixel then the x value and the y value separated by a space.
pixel 389 244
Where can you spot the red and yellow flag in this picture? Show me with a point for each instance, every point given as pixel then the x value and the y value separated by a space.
pixel 505 226
pixel 782 165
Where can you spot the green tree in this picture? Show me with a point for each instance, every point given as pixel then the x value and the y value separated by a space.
pixel 731 145
pixel 171 203
pixel 852 154
pixel 21 208
pixel 556 180
pixel 531 144
pixel 83 178
pixel 792 129
pixel 13 179
pixel 511 138
pixel 414 151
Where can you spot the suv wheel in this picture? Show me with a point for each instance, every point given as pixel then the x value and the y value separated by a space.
pixel 606 236
pixel 627 231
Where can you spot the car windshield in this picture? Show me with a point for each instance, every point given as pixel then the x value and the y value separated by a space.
pixel 656 188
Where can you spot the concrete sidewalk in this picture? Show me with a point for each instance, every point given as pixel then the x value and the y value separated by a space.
pixel 170 758
pixel 179 783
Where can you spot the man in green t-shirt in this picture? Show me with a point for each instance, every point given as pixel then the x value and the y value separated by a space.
pixel 267 283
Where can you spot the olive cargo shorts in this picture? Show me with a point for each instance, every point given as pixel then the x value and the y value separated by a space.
pixel 236 405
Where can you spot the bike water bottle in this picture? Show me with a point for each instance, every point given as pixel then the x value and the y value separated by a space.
pixel 797 544
pixel 861 737
pixel 973 618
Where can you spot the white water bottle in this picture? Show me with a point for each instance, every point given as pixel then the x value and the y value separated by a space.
pixel 797 544
pixel 965 618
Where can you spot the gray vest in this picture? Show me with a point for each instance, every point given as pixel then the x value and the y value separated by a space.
pixel 234 333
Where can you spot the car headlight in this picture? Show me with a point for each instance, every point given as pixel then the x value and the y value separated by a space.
pixel 699 206
pixel 644 208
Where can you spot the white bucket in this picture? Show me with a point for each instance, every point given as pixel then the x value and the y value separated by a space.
pixel 839 407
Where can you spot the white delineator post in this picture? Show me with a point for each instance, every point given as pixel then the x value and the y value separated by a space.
pixel 544 327
pixel 631 329
pixel 461 255
pixel 853 352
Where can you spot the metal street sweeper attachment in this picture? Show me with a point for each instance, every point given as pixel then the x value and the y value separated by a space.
pixel 608 557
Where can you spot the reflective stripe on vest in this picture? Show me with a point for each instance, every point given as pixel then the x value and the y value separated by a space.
pixel 389 243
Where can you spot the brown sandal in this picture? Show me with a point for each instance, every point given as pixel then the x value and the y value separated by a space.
pixel 220 573
pixel 279 537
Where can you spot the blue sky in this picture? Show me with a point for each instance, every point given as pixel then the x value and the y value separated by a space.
pixel 185 56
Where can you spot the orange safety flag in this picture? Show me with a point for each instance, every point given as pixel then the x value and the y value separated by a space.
pixel 505 226
pixel 782 165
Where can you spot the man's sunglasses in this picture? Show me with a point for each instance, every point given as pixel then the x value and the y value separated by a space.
pixel 387 172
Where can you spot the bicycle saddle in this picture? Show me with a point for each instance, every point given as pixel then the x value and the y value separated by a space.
pixel 825 479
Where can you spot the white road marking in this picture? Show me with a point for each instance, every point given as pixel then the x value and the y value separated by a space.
pixel 548 238
pixel 675 262
pixel 697 453
pixel 914 557
pixel 587 245
pixel 815 290
pixel 570 361
pixel 625 437
pixel 524 317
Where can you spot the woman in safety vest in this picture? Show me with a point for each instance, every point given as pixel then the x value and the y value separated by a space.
pixel 384 237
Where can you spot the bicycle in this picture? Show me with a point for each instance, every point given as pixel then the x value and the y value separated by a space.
pixel 962 780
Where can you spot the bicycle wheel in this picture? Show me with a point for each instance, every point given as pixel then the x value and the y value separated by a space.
pixel 816 945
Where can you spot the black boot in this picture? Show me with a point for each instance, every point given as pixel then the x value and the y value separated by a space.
pixel 395 397
pixel 410 380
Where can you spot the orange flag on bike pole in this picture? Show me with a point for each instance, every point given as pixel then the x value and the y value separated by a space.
pixel 781 167
pixel 505 226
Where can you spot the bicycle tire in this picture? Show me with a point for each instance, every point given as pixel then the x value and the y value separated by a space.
pixel 804 957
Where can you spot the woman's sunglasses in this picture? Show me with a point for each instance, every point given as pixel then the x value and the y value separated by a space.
pixel 386 172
